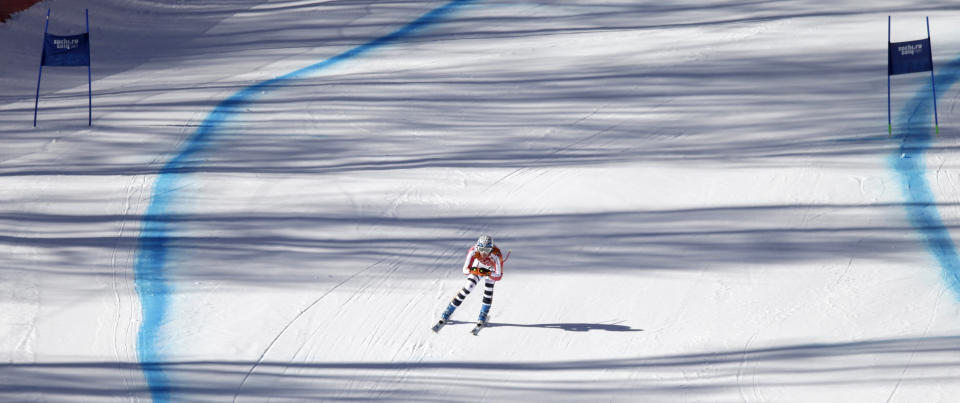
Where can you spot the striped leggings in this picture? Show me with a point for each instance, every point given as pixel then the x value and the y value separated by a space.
pixel 472 281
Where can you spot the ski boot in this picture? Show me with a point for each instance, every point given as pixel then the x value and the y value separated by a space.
pixel 482 319
pixel 444 317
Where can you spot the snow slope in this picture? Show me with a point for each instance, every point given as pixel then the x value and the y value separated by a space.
pixel 275 196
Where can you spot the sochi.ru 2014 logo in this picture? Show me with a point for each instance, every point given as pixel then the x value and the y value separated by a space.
pixel 910 49
pixel 66 43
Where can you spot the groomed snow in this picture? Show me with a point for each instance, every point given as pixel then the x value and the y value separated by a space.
pixel 701 200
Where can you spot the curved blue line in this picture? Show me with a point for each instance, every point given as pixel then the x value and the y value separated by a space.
pixel 150 274
pixel 914 124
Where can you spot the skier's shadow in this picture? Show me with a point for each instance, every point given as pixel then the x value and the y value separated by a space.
pixel 574 327
pixel 570 327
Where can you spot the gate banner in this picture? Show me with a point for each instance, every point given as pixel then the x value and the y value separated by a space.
pixel 73 50
pixel 910 57
pixel 66 50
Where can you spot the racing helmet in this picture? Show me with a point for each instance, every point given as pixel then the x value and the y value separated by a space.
pixel 484 244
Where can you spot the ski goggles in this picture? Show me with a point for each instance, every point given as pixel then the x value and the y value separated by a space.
pixel 485 248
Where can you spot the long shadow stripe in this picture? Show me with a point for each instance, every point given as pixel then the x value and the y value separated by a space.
pixel 914 124
pixel 150 263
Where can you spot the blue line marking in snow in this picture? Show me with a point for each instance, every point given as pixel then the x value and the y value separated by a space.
pixel 150 274
pixel 913 123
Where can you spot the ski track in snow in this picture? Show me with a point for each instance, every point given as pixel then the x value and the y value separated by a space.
pixel 300 314
pixel 149 265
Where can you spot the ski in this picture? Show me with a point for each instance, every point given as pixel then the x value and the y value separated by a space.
pixel 438 326
pixel 476 329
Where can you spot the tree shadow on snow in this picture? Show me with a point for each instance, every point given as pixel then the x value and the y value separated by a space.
pixel 831 369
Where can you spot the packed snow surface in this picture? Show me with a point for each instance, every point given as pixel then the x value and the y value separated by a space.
pixel 275 198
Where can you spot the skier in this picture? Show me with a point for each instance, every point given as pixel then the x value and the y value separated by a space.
pixel 484 260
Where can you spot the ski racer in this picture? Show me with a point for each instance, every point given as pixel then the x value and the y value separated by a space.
pixel 484 261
